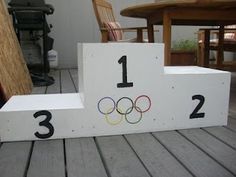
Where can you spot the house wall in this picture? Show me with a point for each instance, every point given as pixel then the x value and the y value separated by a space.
pixel 74 21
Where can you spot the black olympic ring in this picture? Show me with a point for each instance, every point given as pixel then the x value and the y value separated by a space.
pixel 124 113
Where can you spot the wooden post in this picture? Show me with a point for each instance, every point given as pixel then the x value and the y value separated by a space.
pixel 150 32
pixel 220 50
pixel 167 38
pixel 14 75
pixel 206 49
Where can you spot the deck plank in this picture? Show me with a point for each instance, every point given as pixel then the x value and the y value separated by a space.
pixel 47 159
pixel 232 103
pixel 231 124
pixel 83 159
pixel 119 158
pixel 232 112
pixel 48 156
pixel 82 156
pixel 14 159
pixel 225 135
pixel 56 87
pixel 67 85
pixel 233 80
pixel 38 90
pixel 224 154
pixel 156 158
pixel 74 76
pixel 198 162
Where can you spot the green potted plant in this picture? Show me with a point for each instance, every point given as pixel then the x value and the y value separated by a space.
pixel 184 52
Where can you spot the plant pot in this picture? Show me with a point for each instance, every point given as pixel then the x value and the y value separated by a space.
pixel 183 58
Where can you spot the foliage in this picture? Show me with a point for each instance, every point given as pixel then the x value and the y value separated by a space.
pixel 185 45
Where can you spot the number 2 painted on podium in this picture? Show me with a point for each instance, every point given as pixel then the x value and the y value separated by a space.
pixel 195 114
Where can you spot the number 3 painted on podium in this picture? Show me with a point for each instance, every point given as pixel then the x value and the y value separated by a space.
pixel 46 123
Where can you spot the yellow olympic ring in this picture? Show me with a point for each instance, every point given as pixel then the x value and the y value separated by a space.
pixel 108 119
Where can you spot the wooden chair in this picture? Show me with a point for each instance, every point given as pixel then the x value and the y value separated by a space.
pixel 109 27
pixel 224 39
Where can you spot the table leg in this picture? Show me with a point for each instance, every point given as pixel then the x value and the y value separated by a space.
pixel 220 50
pixel 167 38
pixel 139 35
pixel 206 48
pixel 150 32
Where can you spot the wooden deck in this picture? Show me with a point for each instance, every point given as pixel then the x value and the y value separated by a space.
pixel 208 152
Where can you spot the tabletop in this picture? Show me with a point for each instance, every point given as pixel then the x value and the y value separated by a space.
pixel 146 9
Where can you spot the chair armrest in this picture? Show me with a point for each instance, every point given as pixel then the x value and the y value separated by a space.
pixel 138 30
pixel 124 29
pixel 215 30
pixel 134 30
pixel 131 29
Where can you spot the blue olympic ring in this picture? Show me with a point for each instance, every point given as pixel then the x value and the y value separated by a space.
pixel 112 110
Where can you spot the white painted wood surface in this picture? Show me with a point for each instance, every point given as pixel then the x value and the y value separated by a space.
pixel 136 108
pixel 20 165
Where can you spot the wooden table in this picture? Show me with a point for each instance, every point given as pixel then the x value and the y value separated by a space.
pixel 184 12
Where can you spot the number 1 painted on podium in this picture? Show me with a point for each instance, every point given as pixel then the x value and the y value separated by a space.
pixel 123 61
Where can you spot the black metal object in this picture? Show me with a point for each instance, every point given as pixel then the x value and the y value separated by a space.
pixel 30 15
pixel 2 98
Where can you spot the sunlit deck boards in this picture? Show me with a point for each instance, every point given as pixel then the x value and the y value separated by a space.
pixel 196 152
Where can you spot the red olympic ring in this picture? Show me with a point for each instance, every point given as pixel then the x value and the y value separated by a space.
pixel 149 100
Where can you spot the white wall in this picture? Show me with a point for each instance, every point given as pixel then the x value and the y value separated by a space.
pixel 74 21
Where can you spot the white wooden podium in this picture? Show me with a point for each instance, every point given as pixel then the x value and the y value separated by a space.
pixel 123 89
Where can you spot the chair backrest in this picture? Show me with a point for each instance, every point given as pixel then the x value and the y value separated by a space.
pixel 24 3
pixel 103 11
pixel 231 35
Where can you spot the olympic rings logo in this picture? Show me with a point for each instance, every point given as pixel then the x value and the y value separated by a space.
pixel 124 107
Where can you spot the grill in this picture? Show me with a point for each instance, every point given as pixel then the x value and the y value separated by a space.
pixel 30 16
